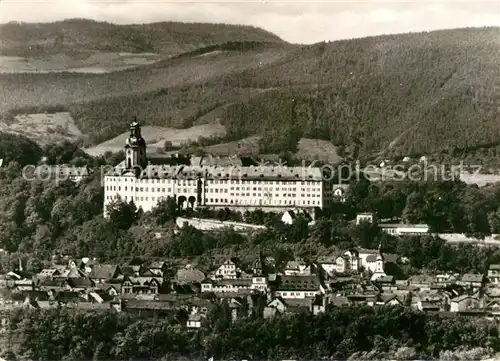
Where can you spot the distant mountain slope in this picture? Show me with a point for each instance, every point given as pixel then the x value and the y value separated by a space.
pixel 80 35
pixel 30 90
pixel 434 90
pixel 397 94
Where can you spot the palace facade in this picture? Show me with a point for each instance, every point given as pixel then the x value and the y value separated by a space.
pixel 194 184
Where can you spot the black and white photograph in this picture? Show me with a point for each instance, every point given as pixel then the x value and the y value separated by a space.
pixel 253 180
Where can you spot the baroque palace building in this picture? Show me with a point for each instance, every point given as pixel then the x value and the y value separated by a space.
pixel 198 182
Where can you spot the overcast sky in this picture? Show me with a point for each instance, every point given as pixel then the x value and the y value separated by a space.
pixel 294 21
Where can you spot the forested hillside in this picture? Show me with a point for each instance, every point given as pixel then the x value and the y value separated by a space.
pixel 399 94
pixel 81 35
pixel 416 93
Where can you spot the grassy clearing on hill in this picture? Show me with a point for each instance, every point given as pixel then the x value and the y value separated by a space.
pixel 247 146
pixel 43 128
pixel 156 137
pixel 87 63
pixel 321 150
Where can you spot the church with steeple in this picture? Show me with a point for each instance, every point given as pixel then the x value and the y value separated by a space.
pixel 135 148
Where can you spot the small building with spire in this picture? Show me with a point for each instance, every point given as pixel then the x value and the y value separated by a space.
pixel 135 148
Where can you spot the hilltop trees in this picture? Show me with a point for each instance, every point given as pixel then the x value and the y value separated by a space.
pixel 446 206
pixel 122 214
pixel 16 148
pixel 165 211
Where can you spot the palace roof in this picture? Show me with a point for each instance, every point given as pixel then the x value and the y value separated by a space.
pixel 225 173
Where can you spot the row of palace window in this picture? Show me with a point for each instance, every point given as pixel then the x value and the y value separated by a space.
pixel 285 189
pixel 260 202
pixel 224 201
pixel 216 190
pixel 183 182
pixel 142 199
pixel 236 181
pixel 141 189
pixel 307 294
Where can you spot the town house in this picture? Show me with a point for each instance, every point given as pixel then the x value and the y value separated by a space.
pixel 298 287
pixel 276 305
pixel 141 285
pixel 342 264
pixel 226 271
pixel 430 301
pixel 355 258
pixel 364 218
pixel 473 282
pixel 196 320
pixel 385 300
pixel 405 229
pixel 78 284
pixel 446 279
pixel 226 285
pixel 48 273
pixel 148 308
pixel 104 273
pixel 328 264
pixel 189 274
pixel 259 283
pixel 493 308
pixel 422 282
pixel 494 273
pixel 298 267
pixel 279 306
pixel 158 268
pixel 464 303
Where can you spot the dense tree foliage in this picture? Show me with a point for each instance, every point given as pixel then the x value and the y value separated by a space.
pixel 18 148
pixel 340 332
pixel 39 218
pixel 446 206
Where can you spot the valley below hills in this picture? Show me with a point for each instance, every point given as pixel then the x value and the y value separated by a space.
pixel 434 93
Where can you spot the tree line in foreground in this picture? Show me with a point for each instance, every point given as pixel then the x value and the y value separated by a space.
pixel 61 334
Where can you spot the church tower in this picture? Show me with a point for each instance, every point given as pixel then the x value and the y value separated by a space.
pixel 135 149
